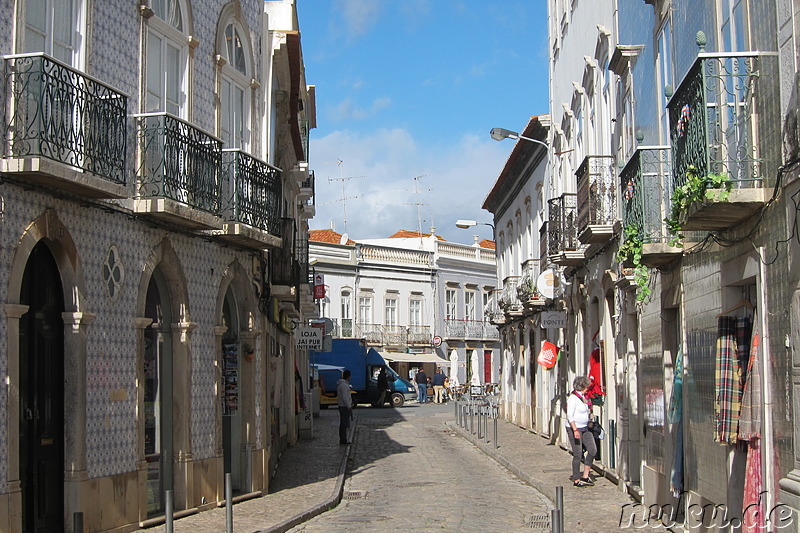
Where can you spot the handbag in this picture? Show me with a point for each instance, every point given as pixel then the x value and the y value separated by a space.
pixel 597 430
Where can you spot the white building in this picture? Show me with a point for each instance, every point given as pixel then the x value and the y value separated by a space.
pixel 414 297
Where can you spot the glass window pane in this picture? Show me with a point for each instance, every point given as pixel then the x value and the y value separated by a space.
pixel 154 74
pixel 36 14
pixel 238 117
pixel 225 114
pixel 174 76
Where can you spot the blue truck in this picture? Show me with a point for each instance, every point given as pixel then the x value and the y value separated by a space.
pixel 365 366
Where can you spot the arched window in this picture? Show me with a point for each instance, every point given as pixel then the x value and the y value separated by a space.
pixel 53 27
pixel 235 75
pixel 167 60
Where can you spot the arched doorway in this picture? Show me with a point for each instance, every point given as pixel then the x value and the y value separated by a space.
pixel 41 387
pixel 158 395
pixel 231 393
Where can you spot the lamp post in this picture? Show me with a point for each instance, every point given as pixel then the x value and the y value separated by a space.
pixel 498 134
pixel 466 224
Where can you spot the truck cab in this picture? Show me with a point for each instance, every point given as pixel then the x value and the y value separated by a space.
pixel 400 389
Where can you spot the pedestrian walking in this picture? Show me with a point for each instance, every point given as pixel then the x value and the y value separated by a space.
pixel 438 386
pixel 383 386
pixel 579 411
pixel 422 386
pixel 345 403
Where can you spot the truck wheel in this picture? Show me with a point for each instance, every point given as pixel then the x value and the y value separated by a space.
pixel 398 400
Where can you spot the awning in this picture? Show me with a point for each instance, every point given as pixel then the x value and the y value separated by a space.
pixel 420 358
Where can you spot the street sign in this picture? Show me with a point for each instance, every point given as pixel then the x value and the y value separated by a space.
pixel 553 319
pixel 319 287
pixel 437 341
pixel 308 338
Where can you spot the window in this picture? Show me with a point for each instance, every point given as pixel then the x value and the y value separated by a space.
pixel 469 305
pixel 365 310
pixel 347 314
pixel 450 304
pixel 415 312
pixel 167 59
pixel 51 26
pixel 234 98
pixel 486 295
pixel 667 77
pixel 390 311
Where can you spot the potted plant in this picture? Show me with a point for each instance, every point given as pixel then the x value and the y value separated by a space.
pixel 713 187
pixel 630 253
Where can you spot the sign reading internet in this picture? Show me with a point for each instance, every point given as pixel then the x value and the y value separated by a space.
pixel 308 338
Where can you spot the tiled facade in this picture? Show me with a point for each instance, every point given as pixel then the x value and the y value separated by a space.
pixel 104 325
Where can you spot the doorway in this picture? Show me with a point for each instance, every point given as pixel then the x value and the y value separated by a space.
pixel 231 413
pixel 41 387
pixel 158 402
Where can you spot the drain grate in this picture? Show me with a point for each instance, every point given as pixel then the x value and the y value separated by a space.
pixel 539 521
pixel 355 495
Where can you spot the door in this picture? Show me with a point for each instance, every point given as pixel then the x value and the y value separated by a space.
pixel 487 366
pixel 158 402
pixel 231 413
pixel 41 369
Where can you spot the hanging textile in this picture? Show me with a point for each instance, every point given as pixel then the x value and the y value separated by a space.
pixel 675 417
pixel 754 505
pixel 596 391
pixel 728 378
pixel 752 397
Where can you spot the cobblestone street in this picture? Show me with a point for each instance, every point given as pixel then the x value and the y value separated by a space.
pixel 410 472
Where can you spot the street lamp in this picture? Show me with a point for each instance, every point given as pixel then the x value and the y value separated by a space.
pixel 498 134
pixel 465 224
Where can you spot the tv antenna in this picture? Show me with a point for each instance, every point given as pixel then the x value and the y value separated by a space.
pixel 419 205
pixel 343 179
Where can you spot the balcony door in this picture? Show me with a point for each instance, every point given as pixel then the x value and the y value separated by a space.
pixel 167 59
pixel 234 98
pixel 53 27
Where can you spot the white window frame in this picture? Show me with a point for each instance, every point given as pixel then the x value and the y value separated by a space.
pixel 470 312
pixel 365 309
pixel 179 40
pixel 390 311
pixel 415 312
pixel 450 303
pixel 77 25
pixel 236 80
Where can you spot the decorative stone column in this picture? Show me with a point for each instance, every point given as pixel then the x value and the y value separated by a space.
pixel 183 476
pixel 13 496
pixel 75 396
pixel 140 324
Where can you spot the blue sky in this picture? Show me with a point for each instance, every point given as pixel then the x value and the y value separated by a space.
pixel 407 91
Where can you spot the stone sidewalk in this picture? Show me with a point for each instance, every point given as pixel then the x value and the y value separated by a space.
pixel 309 481
pixel 545 466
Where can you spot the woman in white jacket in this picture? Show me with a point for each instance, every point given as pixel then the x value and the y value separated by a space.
pixel 579 412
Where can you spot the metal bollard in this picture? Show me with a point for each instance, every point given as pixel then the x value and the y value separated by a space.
pixel 555 521
pixel 560 507
pixel 228 503
pixel 77 522
pixel 168 507
pixel 496 445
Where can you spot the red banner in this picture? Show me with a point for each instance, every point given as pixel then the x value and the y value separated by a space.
pixel 548 355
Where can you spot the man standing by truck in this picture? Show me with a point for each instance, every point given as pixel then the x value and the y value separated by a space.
pixel 422 386
pixel 345 402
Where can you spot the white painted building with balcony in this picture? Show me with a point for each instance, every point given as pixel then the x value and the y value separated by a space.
pixel 401 293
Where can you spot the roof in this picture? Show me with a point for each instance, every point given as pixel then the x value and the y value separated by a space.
pixel 405 234
pixel 327 235
pixel 537 128
pixel 488 244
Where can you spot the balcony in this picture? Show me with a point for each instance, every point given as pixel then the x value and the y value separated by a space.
pixel 462 329
pixel 493 311
pixel 308 196
pixel 286 270
pixel 371 333
pixel 251 201
pixel 64 129
pixel 724 121
pixel 597 200
pixel 419 336
pixel 509 298
pixel 454 328
pixel 393 335
pixel 646 190
pixel 563 245
pixel 527 291
pixel 178 179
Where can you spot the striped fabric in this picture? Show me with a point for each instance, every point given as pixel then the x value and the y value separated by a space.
pixel 732 348
pixel 752 397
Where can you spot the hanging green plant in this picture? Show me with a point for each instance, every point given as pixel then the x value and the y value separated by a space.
pixel 713 187
pixel 631 251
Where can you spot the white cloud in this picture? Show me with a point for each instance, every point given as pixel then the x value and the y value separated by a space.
pixel 378 193
pixel 359 16
pixel 347 109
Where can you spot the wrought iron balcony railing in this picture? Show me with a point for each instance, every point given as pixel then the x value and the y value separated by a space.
pixel 59 113
pixel 544 247
pixel 251 192
pixel 596 198
pixel 371 333
pixel 724 119
pixel 419 335
pixel 509 299
pixel 394 335
pixel 454 328
pixel 492 310
pixel 562 226
pixel 178 161
pixel 285 267
pixel 527 289
pixel 646 190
